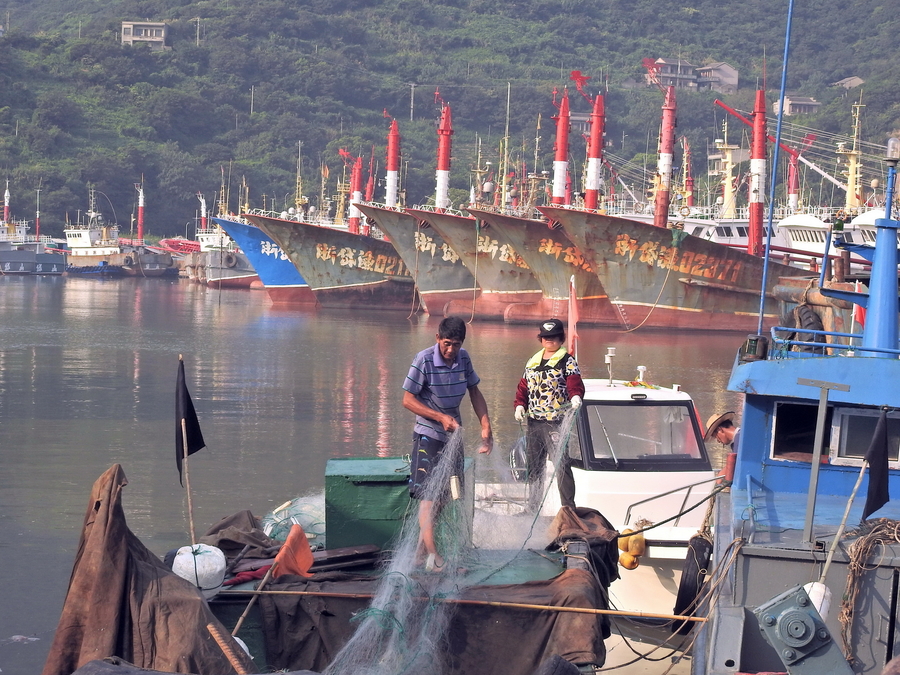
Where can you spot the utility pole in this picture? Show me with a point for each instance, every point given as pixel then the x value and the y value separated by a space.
pixel 198 30
pixel 412 93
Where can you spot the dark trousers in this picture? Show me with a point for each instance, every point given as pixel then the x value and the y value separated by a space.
pixel 543 439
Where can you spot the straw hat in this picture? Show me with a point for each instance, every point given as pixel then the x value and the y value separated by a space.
pixel 714 422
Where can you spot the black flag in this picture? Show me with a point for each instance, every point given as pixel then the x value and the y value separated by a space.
pixel 184 410
pixel 877 457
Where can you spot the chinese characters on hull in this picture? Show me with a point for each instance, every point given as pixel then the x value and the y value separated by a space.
pixel 673 258
pixel 361 259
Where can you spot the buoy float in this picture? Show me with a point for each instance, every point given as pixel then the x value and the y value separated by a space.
pixel 637 545
pixel 623 540
pixel 628 561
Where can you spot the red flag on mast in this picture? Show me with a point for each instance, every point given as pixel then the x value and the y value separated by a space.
pixel 573 319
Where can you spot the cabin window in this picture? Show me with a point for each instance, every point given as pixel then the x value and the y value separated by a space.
pixel 795 431
pixel 742 231
pixel 848 237
pixel 852 431
pixel 635 431
pixel 698 230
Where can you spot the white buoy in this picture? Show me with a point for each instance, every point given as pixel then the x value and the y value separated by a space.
pixel 203 566
pixel 820 596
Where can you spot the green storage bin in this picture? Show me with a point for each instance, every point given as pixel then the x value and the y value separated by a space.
pixel 366 499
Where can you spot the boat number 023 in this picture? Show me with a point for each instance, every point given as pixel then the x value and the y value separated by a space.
pixel 671 257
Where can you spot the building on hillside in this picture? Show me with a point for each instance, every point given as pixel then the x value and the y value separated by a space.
pixel 152 33
pixel 680 74
pixel 719 77
pixel 849 82
pixel 797 105
pixel 674 73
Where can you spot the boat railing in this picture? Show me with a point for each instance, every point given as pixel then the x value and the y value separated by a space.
pixel 398 209
pixel 434 209
pixel 690 488
pixel 785 344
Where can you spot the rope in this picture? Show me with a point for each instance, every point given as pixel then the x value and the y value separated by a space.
pixel 871 534
pixel 475 271
pixel 655 303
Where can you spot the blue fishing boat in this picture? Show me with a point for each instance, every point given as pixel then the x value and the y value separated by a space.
pixel 277 273
pixel 820 425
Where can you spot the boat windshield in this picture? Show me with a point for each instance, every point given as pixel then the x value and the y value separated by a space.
pixel 649 431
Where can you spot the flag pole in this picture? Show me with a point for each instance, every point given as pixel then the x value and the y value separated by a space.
pixel 187 481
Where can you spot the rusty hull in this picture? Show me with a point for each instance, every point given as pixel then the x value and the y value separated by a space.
pixel 553 259
pixel 343 269
pixel 502 274
pixel 437 269
pixel 666 278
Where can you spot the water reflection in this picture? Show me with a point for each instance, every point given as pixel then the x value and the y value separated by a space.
pixel 87 377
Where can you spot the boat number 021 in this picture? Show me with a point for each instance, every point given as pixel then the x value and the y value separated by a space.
pixel 671 257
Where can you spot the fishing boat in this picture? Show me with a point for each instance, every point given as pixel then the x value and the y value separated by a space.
pixel 666 278
pixel 440 276
pixel 805 572
pixel 94 247
pixel 500 272
pixel 277 273
pixel 221 263
pixel 342 268
pixel 22 253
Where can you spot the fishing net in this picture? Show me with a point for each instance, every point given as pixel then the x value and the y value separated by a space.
pixel 307 511
pixel 405 627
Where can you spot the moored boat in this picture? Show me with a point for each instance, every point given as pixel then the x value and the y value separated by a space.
pixel 279 276
pixel 665 278
pixel 438 271
pixel 342 268
pixel 503 276
pixel 555 262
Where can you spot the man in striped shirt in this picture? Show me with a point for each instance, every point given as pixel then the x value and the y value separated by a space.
pixel 435 386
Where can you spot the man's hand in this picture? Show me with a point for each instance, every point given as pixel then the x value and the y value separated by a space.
pixel 486 445
pixel 520 413
pixel 449 423
pixel 576 402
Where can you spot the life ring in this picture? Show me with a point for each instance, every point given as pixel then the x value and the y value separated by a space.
pixel 638 207
pixel 128 260
pixel 693 574
pixel 685 210
pixel 230 260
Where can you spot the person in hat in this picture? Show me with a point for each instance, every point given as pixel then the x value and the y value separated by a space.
pixel 551 381
pixel 438 380
pixel 721 427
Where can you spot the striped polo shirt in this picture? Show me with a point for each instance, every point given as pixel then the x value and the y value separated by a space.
pixel 439 386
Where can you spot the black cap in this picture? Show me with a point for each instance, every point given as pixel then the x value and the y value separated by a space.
pixel 551 328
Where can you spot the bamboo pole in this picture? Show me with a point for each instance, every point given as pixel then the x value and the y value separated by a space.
pixel 259 591
pixel 187 479
pixel 227 649
pixel 481 603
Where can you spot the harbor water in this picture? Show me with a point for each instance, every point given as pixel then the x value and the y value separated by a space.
pixel 87 379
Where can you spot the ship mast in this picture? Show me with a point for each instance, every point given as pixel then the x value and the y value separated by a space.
pixel 299 199
pixel 727 211
pixel 140 214
pixel 851 203
pixel 592 180
pixel 757 175
pixel 6 201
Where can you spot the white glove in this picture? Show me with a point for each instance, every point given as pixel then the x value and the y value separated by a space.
pixel 576 402
pixel 520 413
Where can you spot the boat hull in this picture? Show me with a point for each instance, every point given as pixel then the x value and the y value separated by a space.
pixel 277 274
pixel 26 262
pixel 343 269
pixel 554 260
pixel 502 274
pixel 437 269
pixel 139 263
pixel 225 269
pixel 665 278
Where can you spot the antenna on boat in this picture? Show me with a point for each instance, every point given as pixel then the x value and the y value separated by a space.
pixel 608 359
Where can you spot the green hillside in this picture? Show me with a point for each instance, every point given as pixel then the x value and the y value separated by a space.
pixel 245 82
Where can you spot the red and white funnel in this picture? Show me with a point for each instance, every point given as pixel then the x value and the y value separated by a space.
pixel 561 156
pixel 757 175
pixel 392 177
pixel 6 199
pixel 354 216
pixel 595 155
pixel 665 161
pixel 202 210
pixel 442 177
pixel 140 214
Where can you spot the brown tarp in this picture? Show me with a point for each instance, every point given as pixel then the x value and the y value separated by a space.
pixel 305 632
pixel 122 601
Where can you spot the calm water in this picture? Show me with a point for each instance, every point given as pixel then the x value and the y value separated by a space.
pixel 87 378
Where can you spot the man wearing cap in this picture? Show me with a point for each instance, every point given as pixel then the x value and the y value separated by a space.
pixel 721 427
pixel 551 381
